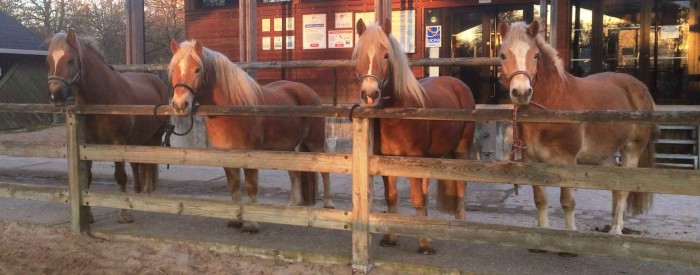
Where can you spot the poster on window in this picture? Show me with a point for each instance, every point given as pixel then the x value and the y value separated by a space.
pixel 314 32
pixel 290 23
pixel 290 42
pixel 278 43
pixel 338 39
pixel 403 27
pixel 266 24
pixel 433 36
pixel 343 20
pixel 266 43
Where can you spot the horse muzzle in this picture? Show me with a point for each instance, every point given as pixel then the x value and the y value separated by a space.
pixel 370 99
pixel 181 107
pixel 521 96
pixel 58 93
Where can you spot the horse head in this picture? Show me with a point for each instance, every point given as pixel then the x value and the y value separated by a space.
pixel 186 71
pixel 65 64
pixel 519 56
pixel 373 54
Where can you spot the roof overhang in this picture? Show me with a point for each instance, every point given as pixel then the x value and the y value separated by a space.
pixel 24 52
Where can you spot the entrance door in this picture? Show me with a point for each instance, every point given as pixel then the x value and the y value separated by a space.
pixel 473 34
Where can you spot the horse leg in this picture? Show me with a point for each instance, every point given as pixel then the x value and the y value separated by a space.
pixel 233 177
pixel 568 203
pixel 327 193
pixel 460 214
pixel 629 158
pixel 88 165
pixel 251 184
pixel 418 199
pixel 391 197
pixel 149 176
pixel 120 176
pixel 295 191
pixel 540 196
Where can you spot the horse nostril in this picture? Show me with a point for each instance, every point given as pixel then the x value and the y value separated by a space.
pixel 528 92
pixel 363 95
pixel 374 95
pixel 514 92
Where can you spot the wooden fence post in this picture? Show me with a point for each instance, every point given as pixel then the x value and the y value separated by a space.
pixel 361 194
pixel 77 173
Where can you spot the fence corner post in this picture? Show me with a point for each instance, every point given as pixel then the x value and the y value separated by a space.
pixel 362 186
pixel 77 173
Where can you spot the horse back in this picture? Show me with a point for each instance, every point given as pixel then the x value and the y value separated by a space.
pixel 614 91
pixel 144 89
pixel 447 92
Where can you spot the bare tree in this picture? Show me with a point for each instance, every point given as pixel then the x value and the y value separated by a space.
pixel 165 20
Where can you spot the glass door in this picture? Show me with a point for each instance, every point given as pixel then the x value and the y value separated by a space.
pixel 473 34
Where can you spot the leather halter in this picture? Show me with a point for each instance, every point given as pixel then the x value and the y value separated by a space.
pixel 526 74
pixel 382 84
pixel 194 92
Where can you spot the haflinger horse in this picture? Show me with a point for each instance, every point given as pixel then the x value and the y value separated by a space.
pixel 534 74
pixel 78 72
pixel 201 75
pixel 386 80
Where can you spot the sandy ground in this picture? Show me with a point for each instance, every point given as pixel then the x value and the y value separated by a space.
pixel 32 249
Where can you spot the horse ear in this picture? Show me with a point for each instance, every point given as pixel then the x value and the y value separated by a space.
pixel 174 47
pixel 72 37
pixel 198 48
pixel 533 29
pixel 503 29
pixel 386 26
pixel 360 27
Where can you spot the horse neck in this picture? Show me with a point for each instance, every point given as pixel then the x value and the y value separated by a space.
pixel 97 83
pixel 549 87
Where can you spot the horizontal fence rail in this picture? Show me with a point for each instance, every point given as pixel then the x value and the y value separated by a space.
pixel 535 115
pixel 345 63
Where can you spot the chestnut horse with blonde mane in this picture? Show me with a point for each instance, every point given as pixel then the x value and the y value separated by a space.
pixel 199 74
pixel 533 73
pixel 79 72
pixel 386 80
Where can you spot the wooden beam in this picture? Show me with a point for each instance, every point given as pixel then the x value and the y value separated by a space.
pixel 669 181
pixel 632 247
pixel 77 173
pixel 35 192
pixel 291 215
pixel 382 10
pixel 362 186
pixel 317 162
pixel 32 149
pixel 135 32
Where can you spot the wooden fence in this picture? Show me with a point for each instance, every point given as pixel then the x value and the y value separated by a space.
pixel 363 165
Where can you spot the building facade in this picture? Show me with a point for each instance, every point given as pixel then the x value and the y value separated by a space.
pixel 654 40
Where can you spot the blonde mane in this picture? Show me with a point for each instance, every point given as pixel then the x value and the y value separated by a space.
pixel 405 84
pixel 518 32
pixel 238 87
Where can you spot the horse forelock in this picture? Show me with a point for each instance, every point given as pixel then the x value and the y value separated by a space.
pixel 236 85
pixel 405 84
pixel 517 32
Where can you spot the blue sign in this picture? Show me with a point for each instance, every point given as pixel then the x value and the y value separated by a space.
pixel 433 36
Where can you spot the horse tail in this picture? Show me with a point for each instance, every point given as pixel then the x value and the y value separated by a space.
pixel 309 183
pixel 641 202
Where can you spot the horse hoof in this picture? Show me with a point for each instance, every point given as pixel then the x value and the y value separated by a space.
pixel 387 243
pixel 235 224
pixel 426 251
pixel 249 229
pixel 567 255
pixel 536 250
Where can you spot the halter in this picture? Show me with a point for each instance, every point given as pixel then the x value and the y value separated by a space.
pixel 190 89
pixel 526 74
pixel 382 84
pixel 78 76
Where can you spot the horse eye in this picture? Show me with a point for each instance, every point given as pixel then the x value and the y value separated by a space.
pixel 196 70
pixel 537 56
pixel 386 56
pixel 503 57
pixel 71 61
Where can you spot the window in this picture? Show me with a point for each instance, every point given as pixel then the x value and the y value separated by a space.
pixel 210 4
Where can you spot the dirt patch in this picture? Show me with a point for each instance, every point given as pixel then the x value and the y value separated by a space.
pixel 52 135
pixel 48 250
